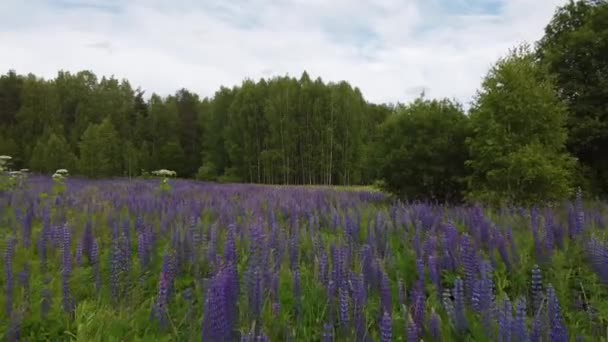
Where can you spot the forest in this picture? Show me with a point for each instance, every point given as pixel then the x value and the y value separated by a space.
pixel 536 130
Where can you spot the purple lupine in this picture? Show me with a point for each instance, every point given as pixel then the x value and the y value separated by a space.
pixel 143 249
pixel 328 333
pixel 420 269
pixel 369 269
pixel 323 269
pixel 435 326
pixel 469 262
pixel 95 263
pixel 459 308
pixel 386 328
pixel 520 332
pixel 232 292
pixel 505 318
pixel 78 254
pixel 230 255
pixel 536 286
pixel 255 289
pixel 276 309
pixel 164 285
pixel 385 294
pixel 580 214
pixel 9 254
pixel 215 325
pixel 344 305
pixel 558 331
pixel 598 256
pixel 413 331
pixel 115 269
pixel 418 308
pixel 501 245
pixel 434 271
pixel 66 270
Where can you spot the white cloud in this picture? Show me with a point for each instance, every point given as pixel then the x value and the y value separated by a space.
pixel 390 49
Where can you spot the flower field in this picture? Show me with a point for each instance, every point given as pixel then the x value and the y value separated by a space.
pixel 120 260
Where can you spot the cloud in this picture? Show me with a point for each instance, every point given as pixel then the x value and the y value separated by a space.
pixel 390 49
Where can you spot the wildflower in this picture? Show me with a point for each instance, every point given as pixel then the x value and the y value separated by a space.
pixel 386 328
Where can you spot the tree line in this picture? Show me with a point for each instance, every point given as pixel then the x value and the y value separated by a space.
pixel 537 128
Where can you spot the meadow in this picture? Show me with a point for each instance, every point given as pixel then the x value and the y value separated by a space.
pixel 140 260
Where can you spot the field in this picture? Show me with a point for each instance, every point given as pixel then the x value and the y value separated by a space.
pixel 120 260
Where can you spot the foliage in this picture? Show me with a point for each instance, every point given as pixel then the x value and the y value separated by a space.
pixel 574 49
pixel 517 146
pixel 422 151
pixel 100 154
pixel 52 153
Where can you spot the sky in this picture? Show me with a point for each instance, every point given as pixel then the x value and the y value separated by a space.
pixel 392 50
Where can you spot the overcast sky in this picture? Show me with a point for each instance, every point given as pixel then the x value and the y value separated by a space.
pixel 390 49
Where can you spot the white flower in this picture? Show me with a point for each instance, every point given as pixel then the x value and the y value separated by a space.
pixel 164 173
pixel 57 175
pixel 4 157
pixel 62 171
pixel 25 170
pixel 15 173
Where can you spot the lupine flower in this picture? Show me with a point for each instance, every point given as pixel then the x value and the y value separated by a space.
pixel 537 288
pixel 164 285
pixel 66 271
pixel 558 332
pixel 386 328
pixel 413 331
pixel 418 312
pixel 469 262
pixel 459 309
pixel 344 305
pixel 505 319
pixel 78 253
pixel 580 214
pixel 385 294
pixel 328 333
pixel 435 326
pixel 8 269
pixel 215 325
pixel 520 332
pixel 598 257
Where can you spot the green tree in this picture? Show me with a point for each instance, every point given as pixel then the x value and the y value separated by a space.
pixel 52 153
pixel 517 147
pixel 100 150
pixel 172 157
pixel 574 48
pixel 422 152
